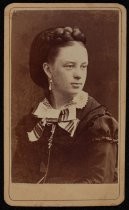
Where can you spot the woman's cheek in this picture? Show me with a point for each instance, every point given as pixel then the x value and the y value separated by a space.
pixel 85 75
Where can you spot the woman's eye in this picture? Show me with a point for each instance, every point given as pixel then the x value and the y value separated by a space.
pixel 70 66
pixel 84 67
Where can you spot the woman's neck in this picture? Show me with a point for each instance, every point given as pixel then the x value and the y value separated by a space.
pixel 59 100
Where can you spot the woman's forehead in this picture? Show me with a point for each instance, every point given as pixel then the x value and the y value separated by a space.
pixel 76 51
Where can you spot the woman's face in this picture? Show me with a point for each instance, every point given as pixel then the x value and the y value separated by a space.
pixel 69 70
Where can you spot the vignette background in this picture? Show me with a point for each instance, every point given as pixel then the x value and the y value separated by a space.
pixel 102 32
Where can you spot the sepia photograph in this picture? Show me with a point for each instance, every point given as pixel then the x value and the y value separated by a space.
pixel 64 104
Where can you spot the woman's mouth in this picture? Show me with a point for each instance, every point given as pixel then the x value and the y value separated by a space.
pixel 76 84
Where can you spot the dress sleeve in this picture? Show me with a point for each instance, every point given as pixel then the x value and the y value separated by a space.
pixel 102 150
pixel 23 161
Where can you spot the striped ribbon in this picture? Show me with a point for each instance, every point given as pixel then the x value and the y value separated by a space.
pixel 63 121
pixel 66 118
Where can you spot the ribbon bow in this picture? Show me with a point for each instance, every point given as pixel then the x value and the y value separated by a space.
pixel 65 118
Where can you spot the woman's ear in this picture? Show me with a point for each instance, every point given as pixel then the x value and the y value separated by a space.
pixel 47 70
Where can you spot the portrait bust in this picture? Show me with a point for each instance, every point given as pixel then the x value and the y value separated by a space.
pixel 67 137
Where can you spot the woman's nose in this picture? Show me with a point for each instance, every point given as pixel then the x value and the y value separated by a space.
pixel 77 73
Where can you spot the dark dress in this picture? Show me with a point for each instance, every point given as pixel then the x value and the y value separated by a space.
pixel 90 156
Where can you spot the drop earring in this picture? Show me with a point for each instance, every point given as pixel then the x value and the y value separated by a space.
pixel 50 84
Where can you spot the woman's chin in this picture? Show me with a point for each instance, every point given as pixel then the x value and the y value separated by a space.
pixel 74 92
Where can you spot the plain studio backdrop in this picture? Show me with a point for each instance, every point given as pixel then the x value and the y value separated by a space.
pixel 102 32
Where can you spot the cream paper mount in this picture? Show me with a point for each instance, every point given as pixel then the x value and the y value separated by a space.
pixel 105 27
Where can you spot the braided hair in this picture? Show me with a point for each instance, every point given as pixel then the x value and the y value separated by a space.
pixel 45 48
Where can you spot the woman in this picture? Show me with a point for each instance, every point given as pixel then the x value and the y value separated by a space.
pixel 68 137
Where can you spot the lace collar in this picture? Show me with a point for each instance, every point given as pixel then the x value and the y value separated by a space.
pixel 45 109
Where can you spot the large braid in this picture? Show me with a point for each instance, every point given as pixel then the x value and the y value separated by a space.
pixel 63 34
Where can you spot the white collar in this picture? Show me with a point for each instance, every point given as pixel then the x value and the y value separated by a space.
pixel 45 110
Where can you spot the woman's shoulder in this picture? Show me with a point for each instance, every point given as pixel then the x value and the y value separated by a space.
pixel 97 121
pixel 91 108
pixel 92 102
pixel 25 124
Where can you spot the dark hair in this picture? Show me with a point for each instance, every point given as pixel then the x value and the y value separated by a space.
pixel 45 48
